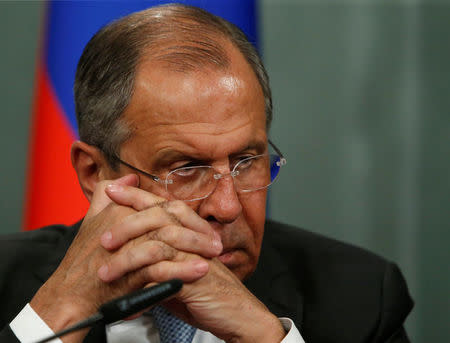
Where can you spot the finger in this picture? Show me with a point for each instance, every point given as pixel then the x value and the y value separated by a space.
pixel 135 257
pixel 163 244
pixel 141 200
pixel 186 240
pixel 135 226
pixel 189 218
pixel 137 198
pixel 156 224
pixel 100 200
pixel 188 271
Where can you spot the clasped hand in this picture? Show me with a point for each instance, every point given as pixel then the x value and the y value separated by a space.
pixel 131 239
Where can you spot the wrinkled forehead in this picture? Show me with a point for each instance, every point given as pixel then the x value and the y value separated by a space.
pixel 188 51
pixel 211 96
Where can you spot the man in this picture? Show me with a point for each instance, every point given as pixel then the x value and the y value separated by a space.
pixel 173 108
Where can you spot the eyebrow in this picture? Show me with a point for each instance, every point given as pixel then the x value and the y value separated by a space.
pixel 164 157
pixel 257 146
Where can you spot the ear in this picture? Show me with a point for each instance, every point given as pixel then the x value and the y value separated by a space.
pixel 90 166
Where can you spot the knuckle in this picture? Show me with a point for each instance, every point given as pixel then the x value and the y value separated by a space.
pixel 156 203
pixel 168 252
pixel 155 271
pixel 158 212
pixel 131 257
pixel 170 234
pixel 152 235
pixel 194 240
pixel 146 274
pixel 174 218
pixel 178 207
pixel 163 204
pixel 154 252
pixel 118 213
pixel 141 202
pixel 161 250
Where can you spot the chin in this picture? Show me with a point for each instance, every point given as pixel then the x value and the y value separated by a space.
pixel 243 272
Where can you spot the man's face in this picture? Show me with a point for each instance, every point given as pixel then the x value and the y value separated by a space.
pixel 210 117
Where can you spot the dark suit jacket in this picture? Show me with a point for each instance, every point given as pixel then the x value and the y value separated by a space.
pixel 334 292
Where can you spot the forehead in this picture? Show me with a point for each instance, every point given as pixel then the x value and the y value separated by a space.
pixel 196 110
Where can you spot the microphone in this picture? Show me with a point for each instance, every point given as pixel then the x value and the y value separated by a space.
pixel 124 306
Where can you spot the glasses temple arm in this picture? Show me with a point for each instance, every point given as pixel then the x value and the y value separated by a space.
pixel 275 148
pixel 153 177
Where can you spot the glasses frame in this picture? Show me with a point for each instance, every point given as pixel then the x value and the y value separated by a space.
pixel 217 176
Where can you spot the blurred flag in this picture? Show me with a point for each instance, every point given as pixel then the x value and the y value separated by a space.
pixel 53 194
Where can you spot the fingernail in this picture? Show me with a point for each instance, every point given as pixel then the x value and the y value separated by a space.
pixel 103 272
pixel 106 238
pixel 138 180
pixel 201 267
pixel 217 245
pixel 114 188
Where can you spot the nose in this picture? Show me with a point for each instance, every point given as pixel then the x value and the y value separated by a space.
pixel 223 204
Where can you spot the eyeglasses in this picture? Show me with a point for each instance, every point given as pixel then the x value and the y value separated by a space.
pixel 198 182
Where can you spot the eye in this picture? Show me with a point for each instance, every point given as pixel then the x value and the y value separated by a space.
pixel 244 162
pixel 184 164
pixel 185 171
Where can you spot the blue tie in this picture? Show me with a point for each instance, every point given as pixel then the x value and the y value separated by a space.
pixel 171 328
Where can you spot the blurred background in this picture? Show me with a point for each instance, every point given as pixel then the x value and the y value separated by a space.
pixel 361 111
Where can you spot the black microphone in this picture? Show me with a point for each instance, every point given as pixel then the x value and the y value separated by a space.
pixel 124 306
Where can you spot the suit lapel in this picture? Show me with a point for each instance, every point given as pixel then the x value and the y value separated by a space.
pixel 55 256
pixel 274 285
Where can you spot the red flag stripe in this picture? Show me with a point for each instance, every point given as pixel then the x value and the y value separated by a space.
pixel 53 193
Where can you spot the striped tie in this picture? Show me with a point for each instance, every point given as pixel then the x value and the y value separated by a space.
pixel 171 329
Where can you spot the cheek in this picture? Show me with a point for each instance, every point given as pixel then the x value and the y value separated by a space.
pixel 254 212
pixel 153 187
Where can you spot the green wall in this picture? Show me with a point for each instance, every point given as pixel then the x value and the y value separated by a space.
pixel 361 112
pixel 19 28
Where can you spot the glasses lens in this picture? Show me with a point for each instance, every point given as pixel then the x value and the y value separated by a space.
pixel 275 166
pixel 191 183
pixel 257 172
pixel 250 174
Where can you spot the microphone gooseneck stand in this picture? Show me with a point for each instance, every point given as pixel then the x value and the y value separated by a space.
pixel 124 306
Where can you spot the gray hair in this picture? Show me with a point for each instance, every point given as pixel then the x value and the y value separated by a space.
pixel 184 37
